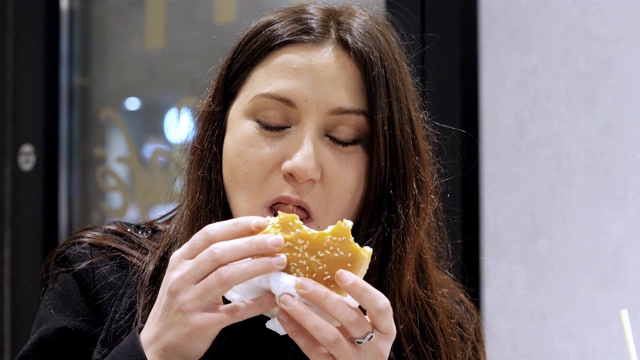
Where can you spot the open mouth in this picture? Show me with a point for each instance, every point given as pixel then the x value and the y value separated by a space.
pixel 302 213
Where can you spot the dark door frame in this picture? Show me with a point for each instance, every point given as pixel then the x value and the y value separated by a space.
pixel 442 39
pixel 29 127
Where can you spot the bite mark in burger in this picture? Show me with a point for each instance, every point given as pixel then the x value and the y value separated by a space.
pixel 318 255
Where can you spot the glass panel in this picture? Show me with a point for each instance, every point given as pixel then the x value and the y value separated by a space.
pixel 137 68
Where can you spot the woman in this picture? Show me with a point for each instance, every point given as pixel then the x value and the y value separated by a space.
pixel 314 111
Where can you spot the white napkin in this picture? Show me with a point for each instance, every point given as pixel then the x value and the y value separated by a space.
pixel 277 283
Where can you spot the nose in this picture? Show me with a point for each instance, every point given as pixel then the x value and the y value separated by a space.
pixel 302 165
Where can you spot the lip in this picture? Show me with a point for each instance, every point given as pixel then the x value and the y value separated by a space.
pixel 288 200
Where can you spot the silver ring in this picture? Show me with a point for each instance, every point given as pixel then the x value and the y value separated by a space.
pixel 364 340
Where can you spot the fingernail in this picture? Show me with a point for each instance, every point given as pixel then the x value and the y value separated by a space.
pixel 275 241
pixel 343 276
pixel 279 260
pixel 259 223
pixel 287 301
pixel 303 285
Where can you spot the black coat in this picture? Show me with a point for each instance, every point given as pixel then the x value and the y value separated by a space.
pixel 88 313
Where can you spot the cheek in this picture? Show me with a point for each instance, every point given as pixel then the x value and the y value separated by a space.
pixel 233 166
pixel 234 178
pixel 244 170
pixel 352 183
pixel 234 150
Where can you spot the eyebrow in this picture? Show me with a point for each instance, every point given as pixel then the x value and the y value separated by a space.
pixel 291 104
pixel 349 111
pixel 279 98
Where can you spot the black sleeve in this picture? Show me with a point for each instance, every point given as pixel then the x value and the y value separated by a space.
pixel 75 307
pixel 129 348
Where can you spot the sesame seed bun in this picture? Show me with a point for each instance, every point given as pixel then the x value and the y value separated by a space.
pixel 318 255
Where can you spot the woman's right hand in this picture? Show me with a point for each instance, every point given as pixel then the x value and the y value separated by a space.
pixel 189 312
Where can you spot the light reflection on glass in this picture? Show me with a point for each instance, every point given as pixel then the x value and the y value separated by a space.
pixel 132 103
pixel 178 125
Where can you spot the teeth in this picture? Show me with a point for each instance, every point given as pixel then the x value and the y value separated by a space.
pixel 290 209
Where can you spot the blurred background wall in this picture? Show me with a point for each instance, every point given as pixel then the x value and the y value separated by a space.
pixel 560 176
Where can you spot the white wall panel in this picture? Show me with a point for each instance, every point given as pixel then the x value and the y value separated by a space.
pixel 560 176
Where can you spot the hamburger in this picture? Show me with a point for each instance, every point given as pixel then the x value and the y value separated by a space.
pixel 318 255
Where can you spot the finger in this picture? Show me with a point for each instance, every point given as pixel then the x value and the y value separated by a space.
pixel 216 318
pixel 224 278
pixel 303 338
pixel 323 332
pixel 377 305
pixel 349 316
pixel 223 230
pixel 242 310
pixel 231 251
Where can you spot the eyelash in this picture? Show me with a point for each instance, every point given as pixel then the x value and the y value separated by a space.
pixel 340 143
pixel 344 143
pixel 270 128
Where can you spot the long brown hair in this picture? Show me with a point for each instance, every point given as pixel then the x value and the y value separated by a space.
pixel 401 216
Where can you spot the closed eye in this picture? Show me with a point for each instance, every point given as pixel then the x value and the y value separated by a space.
pixel 343 143
pixel 271 128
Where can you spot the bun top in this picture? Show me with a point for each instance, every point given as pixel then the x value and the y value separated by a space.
pixel 318 255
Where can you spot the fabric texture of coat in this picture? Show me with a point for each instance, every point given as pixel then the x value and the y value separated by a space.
pixel 88 313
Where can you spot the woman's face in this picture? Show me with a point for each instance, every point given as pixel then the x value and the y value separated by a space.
pixel 296 137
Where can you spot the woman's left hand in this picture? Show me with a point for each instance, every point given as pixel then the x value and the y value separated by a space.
pixel 353 338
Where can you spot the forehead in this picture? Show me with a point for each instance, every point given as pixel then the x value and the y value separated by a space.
pixel 326 66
